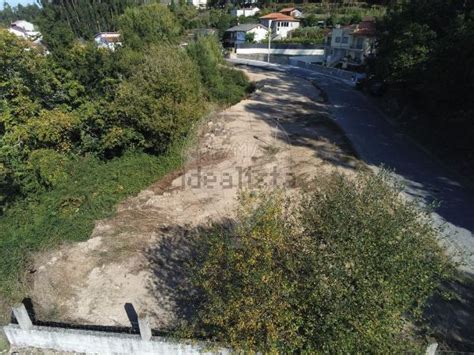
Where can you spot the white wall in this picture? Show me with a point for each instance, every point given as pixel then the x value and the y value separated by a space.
pixel 85 341
pixel 245 12
pixel 279 29
pixel 260 33
pixel 337 38
pixel 295 13
pixel 200 4
pixel 284 51
pixel 27 27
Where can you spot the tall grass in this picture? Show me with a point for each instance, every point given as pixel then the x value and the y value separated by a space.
pixel 68 211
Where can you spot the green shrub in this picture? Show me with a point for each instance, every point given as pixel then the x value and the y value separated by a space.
pixel 307 35
pixel 148 24
pixel 223 83
pixel 343 270
pixel 158 104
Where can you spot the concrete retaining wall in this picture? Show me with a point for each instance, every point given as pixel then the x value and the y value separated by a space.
pixel 279 49
pixel 277 59
pixel 27 335
pixel 86 341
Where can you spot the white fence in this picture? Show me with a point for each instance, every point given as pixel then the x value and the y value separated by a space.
pixel 25 334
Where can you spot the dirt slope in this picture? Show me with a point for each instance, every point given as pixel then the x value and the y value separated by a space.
pixel 281 134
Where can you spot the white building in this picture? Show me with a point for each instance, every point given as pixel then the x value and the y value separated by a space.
pixel 291 11
pixel 109 40
pixel 26 30
pixel 200 4
pixel 280 24
pixel 246 12
pixel 350 45
pixel 238 34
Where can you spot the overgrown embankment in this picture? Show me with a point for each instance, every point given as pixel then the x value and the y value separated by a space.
pixel 84 127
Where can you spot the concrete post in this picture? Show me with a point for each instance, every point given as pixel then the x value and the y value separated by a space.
pixel 21 315
pixel 431 350
pixel 144 326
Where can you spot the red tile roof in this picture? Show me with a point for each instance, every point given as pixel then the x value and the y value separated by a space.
pixel 364 28
pixel 276 16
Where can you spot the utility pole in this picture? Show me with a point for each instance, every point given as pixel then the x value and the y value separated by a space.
pixel 269 38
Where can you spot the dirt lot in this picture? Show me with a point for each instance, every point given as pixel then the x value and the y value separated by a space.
pixel 278 137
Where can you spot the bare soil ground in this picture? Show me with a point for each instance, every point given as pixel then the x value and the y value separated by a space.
pixel 279 136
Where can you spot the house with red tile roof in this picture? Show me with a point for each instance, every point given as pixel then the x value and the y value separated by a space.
pixel 280 24
pixel 350 45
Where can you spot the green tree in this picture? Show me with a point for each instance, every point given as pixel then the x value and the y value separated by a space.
pixel 250 37
pixel 158 104
pixel 222 83
pixel 87 17
pixel 424 50
pixel 148 24
pixel 20 12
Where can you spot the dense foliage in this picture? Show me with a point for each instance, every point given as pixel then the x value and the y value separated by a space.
pixel 144 25
pixel 86 18
pixel 50 111
pixel 346 268
pixel 426 50
pixel 222 83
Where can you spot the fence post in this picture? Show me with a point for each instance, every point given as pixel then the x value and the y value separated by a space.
pixel 144 326
pixel 431 350
pixel 22 317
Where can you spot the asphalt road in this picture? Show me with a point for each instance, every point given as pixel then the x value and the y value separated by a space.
pixel 379 143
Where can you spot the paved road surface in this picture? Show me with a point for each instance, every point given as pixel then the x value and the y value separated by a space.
pixel 379 143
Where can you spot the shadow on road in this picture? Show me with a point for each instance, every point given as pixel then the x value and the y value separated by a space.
pixel 452 319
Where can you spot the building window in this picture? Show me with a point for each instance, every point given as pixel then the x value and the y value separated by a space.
pixel 338 39
pixel 345 39
pixel 360 43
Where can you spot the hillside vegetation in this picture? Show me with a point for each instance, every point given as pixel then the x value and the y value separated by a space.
pixel 82 127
